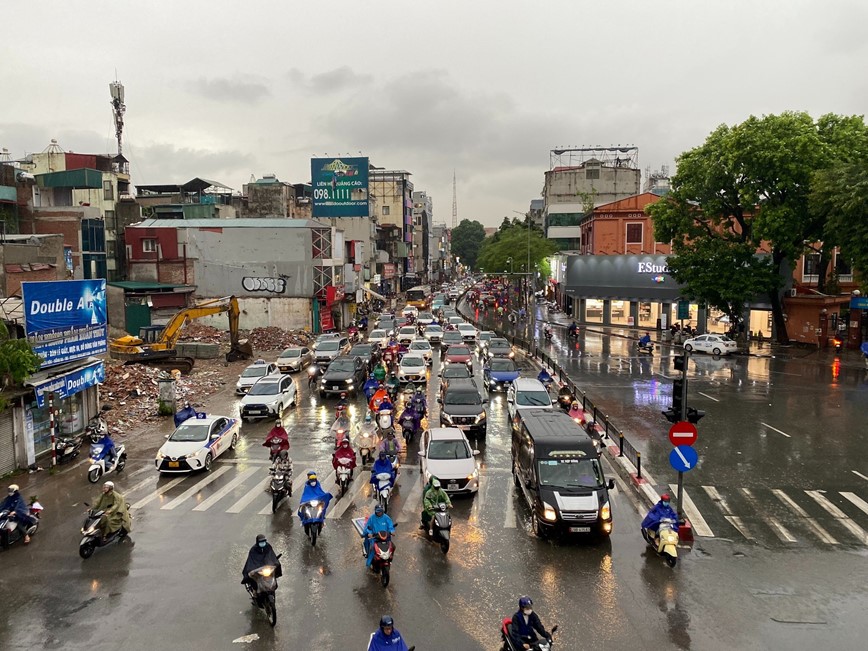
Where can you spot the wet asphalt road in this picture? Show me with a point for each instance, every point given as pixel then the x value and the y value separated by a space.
pixel 175 585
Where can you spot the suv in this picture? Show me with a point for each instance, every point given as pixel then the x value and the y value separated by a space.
pixel 445 453
pixel 526 394
pixel 268 397
pixel 251 375
pixel 369 353
pixel 499 347
pixel 329 349
pixel 463 407
pixel 344 374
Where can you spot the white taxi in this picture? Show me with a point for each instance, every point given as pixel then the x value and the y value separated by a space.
pixel 196 442
pixel 714 344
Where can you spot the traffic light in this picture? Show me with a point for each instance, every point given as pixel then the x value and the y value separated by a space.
pixel 694 415
pixel 678 362
pixel 674 413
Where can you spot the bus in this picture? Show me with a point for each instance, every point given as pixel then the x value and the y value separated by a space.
pixel 419 297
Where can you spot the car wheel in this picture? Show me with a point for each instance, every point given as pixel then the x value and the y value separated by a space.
pixel 688 347
pixel 280 410
pixel 208 462
pixel 234 443
pixel 716 351
pixel 535 526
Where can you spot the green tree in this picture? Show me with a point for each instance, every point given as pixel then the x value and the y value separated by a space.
pixel 467 237
pixel 17 362
pixel 513 243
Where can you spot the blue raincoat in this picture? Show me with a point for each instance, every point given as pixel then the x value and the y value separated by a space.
pixel 311 493
pixel 657 513
pixel 379 642
pixel 374 525
pixel 15 504
pixel 383 465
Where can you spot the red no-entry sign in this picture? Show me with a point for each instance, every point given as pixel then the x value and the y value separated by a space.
pixel 683 433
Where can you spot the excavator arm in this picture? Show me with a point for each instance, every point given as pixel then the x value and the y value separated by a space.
pixel 172 331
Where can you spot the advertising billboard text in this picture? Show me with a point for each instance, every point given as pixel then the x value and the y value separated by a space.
pixel 340 187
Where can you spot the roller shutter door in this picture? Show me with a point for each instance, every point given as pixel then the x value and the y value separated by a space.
pixel 7 442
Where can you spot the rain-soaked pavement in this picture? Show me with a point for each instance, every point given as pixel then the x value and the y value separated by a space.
pixel 175 585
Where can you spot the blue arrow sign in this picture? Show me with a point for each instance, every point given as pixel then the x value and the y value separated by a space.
pixel 683 458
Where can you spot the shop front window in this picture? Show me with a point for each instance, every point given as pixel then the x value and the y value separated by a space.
pixel 69 420
pixel 594 310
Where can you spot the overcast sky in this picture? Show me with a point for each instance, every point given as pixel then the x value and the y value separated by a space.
pixel 223 90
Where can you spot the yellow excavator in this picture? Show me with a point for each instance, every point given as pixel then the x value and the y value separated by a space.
pixel 155 345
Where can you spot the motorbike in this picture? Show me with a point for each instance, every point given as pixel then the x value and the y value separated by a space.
pixel 648 348
pixel 313 373
pixel 410 424
pixel 546 379
pixel 576 415
pixel 441 527
pixel 91 538
pixel 565 401
pixel 262 595
pixel 344 475
pixel 384 421
pixel 366 444
pixel 353 333
pixel 390 358
pixel 384 551
pixel 839 345
pixel 11 530
pixel 312 515
pixel 281 484
pixel 340 430
pixel 547 332
pixel 573 334
pixel 393 388
pixel 665 542
pixel 508 645
pixel 98 464
pixel 96 426
pixel 67 447
pixel 384 485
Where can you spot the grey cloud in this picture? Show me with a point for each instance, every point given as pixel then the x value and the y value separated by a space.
pixel 21 139
pixel 225 89
pixel 329 82
pixel 164 163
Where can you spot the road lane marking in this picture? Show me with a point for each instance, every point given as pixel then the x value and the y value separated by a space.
pixel 141 484
pixel 821 533
pixel 859 474
pixel 194 489
pixel 223 492
pixel 734 520
pixel 413 504
pixel 700 526
pixel 162 489
pixel 780 530
pixel 479 500
pixel 359 482
pixel 509 521
pixel 707 396
pixel 839 515
pixel 857 501
pixel 776 430
pixel 251 495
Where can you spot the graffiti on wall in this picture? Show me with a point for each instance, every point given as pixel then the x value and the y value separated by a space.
pixel 264 284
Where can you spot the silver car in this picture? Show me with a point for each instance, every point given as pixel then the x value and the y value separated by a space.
pixel 294 358
pixel 251 375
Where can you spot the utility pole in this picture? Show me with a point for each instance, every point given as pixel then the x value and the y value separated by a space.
pixel 454 201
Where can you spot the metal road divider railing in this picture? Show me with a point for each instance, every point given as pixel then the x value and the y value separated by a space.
pixel 604 424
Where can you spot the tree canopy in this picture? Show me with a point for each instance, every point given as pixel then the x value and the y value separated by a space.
pixel 17 361
pixel 512 242
pixel 467 237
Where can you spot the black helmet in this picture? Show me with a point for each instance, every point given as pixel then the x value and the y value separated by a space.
pixel 386 620
pixel 524 602
pixel 260 538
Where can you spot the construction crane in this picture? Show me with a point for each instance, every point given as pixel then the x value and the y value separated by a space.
pixel 155 345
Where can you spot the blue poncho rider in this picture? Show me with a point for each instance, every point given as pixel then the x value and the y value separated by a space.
pixel 370 387
pixel 377 522
pixel 14 503
pixel 658 512
pixel 382 465
pixel 314 492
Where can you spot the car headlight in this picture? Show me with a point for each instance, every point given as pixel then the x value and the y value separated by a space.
pixel 160 455
pixel 323 382
pixel 481 417
pixel 492 381
pixel 549 514
pixel 446 416
pixel 606 512
pixel 192 455
pixel 511 353
pixel 350 382
pixel 473 475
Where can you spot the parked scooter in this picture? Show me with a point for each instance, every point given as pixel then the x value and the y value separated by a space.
pixel 647 349
pixel 11 530
pixel 91 538
pixel 508 645
pixel 262 595
pixel 67 447
pixel 384 552
pixel 344 474
pixel 281 482
pixel 665 541
pixel 99 465
pixel 441 527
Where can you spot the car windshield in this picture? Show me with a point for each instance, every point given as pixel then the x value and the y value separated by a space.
pixel 408 331
pixel 458 350
pixel 533 399
pixel 254 371
pixel 361 350
pixel 462 397
pixel 465 326
pixel 454 449
pixel 342 365
pixel 263 389
pixel 329 346
pixel 453 335
pixel 570 473
pixel 377 334
pixel 412 362
pixel 485 336
pixel 503 365
pixel 291 352
pixel 188 432
pixel 496 345
pixel 433 328
pixel 456 320
pixel 426 316
pixel 420 345
pixel 451 372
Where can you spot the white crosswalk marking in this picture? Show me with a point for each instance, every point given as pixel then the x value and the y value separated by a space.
pixel 228 488
pixel 734 520
pixel 700 526
pixel 140 485
pixel 857 501
pixel 780 530
pixel 359 482
pixel 821 533
pixel 413 503
pixel 842 517
pixel 193 490
pixel 252 494
pixel 162 489
pixel 509 521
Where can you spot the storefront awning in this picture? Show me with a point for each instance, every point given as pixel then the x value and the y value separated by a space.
pixel 373 293
pixel 64 382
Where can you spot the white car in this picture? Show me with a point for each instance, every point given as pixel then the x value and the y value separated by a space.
pixel 251 375
pixel 523 394
pixel 379 337
pixel 445 453
pixel 196 442
pixel 269 397
pixel 410 310
pixel 407 334
pixel 433 334
pixel 714 344
pixel 456 321
pixel 412 369
pixel 425 318
pixel 422 347
pixel 468 332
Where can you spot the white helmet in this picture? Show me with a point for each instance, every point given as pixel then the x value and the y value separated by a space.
pixel 109 484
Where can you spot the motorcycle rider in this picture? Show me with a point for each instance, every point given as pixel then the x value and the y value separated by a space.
pixel 526 624
pixel 573 329
pixel 545 377
pixel 108 447
pixel 419 403
pixel 393 384
pixel 281 462
pixel 342 405
pixel 378 398
pixel 390 445
pixel 14 503
pixel 659 511
pixel 370 387
pixel 645 341
pixel 344 452
pixel 116 515
pixel 382 465
pixel 184 414
pixel 433 496
pixel 261 554
pixel 313 491
pixel 576 411
pixel 387 637
pixel 379 372
pixel 547 331
pixel 277 436
pixel 378 521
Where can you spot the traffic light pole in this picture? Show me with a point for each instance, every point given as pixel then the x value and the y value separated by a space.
pixel 679 497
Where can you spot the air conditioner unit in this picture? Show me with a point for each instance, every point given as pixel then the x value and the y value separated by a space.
pixel 794 292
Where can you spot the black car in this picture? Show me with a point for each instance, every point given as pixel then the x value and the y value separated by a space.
pixel 462 406
pixel 499 348
pixel 369 353
pixel 453 372
pixel 344 374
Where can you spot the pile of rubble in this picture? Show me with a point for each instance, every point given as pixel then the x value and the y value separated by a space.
pixel 274 338
pixel 202 333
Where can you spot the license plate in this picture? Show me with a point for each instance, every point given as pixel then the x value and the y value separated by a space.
pixel 335 387
pixel 256 411
pixel 580 530
pixel 452 487
pixel 174 464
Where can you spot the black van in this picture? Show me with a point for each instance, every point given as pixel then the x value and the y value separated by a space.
pixel 556 466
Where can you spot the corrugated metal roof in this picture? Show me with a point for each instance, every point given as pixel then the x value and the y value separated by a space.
pixel 244 222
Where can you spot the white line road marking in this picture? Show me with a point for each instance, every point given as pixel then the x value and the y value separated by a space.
pixel 683 460
pixel 857 501
pixel 838 514
pixel 727 512
pixel 509 521
pixel 413 504
pixel 700 526
pixel 707 396
pixel 780 530
pixel 141 484
pixel 821 533
pixel 359 482
pixel 162 489
pixel 223 492
pixel 859 474
pixel 214 474
pixel 252 494
pixel 479 501
pixel 776 430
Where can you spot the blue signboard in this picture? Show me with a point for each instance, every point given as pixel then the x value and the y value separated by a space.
pixel 65 320
pixel 859 302
pixel 683 458
pixel 340 187
pixel 70 383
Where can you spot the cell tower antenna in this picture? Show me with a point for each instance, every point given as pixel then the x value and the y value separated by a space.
pixel 118 108
pixel 454 202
